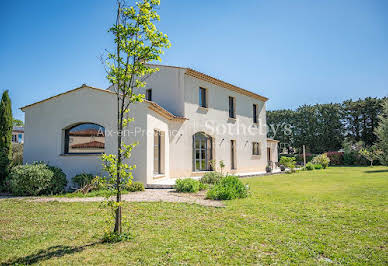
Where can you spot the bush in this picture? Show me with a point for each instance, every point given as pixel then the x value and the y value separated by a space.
pixel 288 162
pixel 83 179
pixel 350 158
pixel 211 178
pixel 336 157
pixel 321 159
pixel 299 158
pixel 36 179
pixel 17 154
pixel 135 186
pixel 309 166
pixel 229 187
pixel 318 166
pixel 187 185
pixel 58 181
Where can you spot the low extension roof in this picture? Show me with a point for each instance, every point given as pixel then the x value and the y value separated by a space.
pixel 152 105
pixel 215 81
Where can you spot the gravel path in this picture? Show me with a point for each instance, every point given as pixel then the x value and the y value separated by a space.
pixel 149 195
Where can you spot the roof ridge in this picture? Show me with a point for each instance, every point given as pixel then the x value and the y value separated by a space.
pixel 216 81
pixel 155 107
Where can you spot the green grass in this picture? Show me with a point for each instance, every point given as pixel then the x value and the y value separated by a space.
pixel 311 217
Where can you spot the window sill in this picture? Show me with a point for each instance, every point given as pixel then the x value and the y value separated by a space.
pixel 80 154
pixel 256 156
pixel 158 176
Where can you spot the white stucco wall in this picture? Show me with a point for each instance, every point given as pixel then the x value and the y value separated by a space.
pixel 177 93
pixel 166 85
pixel 216 116
pixel 157 122
pixel 45 124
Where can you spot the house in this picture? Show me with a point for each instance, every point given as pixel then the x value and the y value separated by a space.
pixel 187 121
pixel 18 135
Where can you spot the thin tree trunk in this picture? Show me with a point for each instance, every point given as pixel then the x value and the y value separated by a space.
pixel 117 228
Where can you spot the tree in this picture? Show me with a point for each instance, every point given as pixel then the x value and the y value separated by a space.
pixel 17 123
pixel 323 127
pixel 5 136
pixel 360 119
pixel 370 154
pixel 382 134
pixel 280 127
pixel 137 41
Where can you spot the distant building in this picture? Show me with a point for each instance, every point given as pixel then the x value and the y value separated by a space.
pixel 18 135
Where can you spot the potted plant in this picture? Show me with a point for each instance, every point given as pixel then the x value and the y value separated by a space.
pixel 282 168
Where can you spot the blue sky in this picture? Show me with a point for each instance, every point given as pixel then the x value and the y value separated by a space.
pixel 294 52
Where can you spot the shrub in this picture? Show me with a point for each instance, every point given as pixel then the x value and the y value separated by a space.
pixel 350 158
pixel 58 181
pixel 321 159
pixel 309 166
pixel 288 162
pixel 318 166
pixel 211 178
pixel 229 187
pixel 36 179
pixel 187 185
pixel 336 157
pixel 135 186
pixel 203 186
pixel 299 158
pixel 83 179
pixel 17 154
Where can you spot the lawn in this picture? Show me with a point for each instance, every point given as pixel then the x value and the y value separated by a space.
pixel 336 215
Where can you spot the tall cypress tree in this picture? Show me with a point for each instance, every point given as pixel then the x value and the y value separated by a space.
pixel 382 133
pixel 5 136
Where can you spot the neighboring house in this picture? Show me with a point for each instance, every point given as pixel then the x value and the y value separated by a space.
pixel 18 135
pixel 188 120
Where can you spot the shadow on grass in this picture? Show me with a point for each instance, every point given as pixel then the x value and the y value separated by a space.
pixel 46 254
pixel 376 171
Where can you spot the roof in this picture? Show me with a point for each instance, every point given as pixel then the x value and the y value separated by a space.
pixel 215 81
pixel 18 129
pixel 273 140
pixel 152 105
pixel 89 145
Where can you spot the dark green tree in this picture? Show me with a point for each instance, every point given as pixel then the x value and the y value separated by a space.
pixel 330 128
pixel 5 136
pixel 17 123
pixel 360 119
pixel 382 134
pixel 307 127
pixel 280 124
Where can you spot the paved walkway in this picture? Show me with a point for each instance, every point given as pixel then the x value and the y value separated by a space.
pixel 149 195
pixel 170 182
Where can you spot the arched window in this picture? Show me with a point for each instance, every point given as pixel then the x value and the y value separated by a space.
pixel 202 152
pixel 85 138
